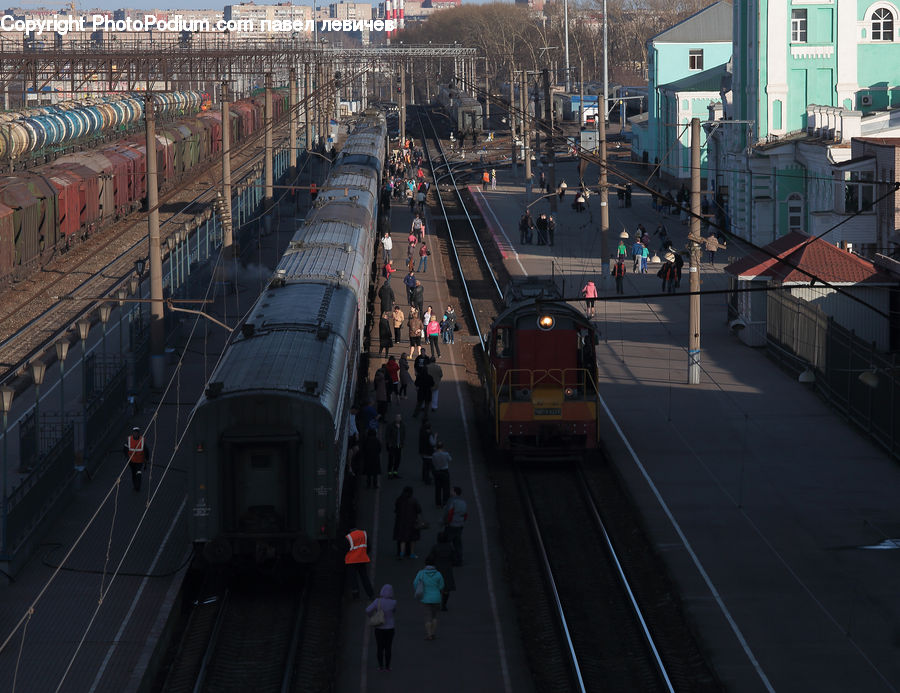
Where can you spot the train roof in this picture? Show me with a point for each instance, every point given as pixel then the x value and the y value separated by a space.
pixel 292 342
pixel 327 252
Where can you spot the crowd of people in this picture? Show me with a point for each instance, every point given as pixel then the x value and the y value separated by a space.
pixel 384 438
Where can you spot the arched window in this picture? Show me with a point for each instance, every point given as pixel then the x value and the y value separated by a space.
pixel 795 212
pixel 882 24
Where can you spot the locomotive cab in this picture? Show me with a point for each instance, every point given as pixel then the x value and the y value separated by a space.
pixel 543 373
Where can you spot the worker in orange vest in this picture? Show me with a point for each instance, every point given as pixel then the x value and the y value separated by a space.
pixel 137 452
pixel 485 179
pixel 357 560
pixel 313 191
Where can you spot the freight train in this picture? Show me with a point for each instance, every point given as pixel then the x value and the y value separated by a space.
pixel 543 374
pixel 269 435
pixel 48 208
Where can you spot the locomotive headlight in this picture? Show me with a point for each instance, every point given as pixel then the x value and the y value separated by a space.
pixel 546 322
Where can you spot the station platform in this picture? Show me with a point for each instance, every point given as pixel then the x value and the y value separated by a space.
pixel 129 548
pixel 778 520
pixel 478 646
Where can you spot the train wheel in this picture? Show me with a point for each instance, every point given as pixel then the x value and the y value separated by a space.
pixel 305 550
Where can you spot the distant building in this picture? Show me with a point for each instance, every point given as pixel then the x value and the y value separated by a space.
pixel 350 10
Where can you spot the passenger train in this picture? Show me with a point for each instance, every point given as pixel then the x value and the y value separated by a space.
pixel 268 437
pixel 543 373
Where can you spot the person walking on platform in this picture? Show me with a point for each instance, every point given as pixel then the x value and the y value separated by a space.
pixel 418 228
pixel 485 180
pixel 416 327
pixel 493 179
pixel 429 584
pixel 551 229
pixel 645 257
pixel 387 244
pixel 356 561
pixel 427 443
pixel 424 252
pixel 392 368
pixel 449 325
pixel 137 452
pixel 589 291
pixel 436 373
pixel 407 515
pixel 541 226
pixel 433 332
pixel 395 439
pixel 397 319
pixel 386 271
pixel 618 271
pixel 385 334
pixel 637 252
pixel 443 557
pixel 455 514
pixel 668 274
pixel 441 460
pixel 525 227
pixel 409 281
pixel 387 298
pixel 384 634
pixel 371 452
pixel 712 245
pixel 424 383
pixel 405 378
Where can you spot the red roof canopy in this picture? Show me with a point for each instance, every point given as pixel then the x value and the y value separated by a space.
pixel 796 251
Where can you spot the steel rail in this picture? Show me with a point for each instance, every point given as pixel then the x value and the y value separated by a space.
pixel 481 335
pixel 648 637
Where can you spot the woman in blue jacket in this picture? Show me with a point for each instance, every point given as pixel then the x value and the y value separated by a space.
pixel 429 584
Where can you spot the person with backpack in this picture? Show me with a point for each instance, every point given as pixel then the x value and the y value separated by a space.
pixel 525 227
pixel 618 271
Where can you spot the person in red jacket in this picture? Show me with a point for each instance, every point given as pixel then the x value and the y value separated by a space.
pixel 137 452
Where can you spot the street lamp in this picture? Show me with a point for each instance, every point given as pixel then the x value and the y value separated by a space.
pixel 62 351
pixel 38 370
pixel 121 295
pixel 177 256
pixel 6 398
pixel 105 309
pixel 170 243
pixel 84 328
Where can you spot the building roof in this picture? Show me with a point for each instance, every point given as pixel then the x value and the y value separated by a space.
pixel 796 251
pixel 884 141
pixel 709 25
pixel 708 80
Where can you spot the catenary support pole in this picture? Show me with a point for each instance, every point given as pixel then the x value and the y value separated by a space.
pixel 604 195
pixel 512 115
pixel 292 105
pixel 694 241
pixel 548 126
pixel 157 327
pixel 402 102
pixel 227 237
pixel 526 126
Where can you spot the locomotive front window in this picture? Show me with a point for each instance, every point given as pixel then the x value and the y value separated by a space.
pixel 502 343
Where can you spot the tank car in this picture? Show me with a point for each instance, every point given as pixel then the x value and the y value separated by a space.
pixel 543 373
pixel 269 435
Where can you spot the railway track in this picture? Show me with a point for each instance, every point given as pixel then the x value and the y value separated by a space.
pixel 478 267
pixel 239 641
pixel 604 641
pixel 608 642
pixel 34 316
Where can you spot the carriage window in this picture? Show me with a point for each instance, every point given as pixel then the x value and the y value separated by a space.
pixel 502 343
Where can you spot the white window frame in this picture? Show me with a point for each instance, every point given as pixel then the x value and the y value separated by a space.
pixel 799 26
pixel 695 55
pixel 795 208
pixel 885 35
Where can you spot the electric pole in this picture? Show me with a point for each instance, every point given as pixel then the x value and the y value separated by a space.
pixel 292 105
pixel 551 155
pixel 523 100
pixel 157 326
pixel 402 103
pixel 227 238
pixel 512 117
pixel 604 194
pixel 694 241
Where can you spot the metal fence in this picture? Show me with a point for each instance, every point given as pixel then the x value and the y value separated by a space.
pixel 104 412
pixel 857 380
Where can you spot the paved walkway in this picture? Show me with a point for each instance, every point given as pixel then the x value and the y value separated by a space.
pixel 478 645
pixel 767 506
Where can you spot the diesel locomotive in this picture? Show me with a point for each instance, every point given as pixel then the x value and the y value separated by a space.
pixel 543 374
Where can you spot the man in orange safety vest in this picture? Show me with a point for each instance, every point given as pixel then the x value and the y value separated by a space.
pixel 137 452
pixel 357 560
